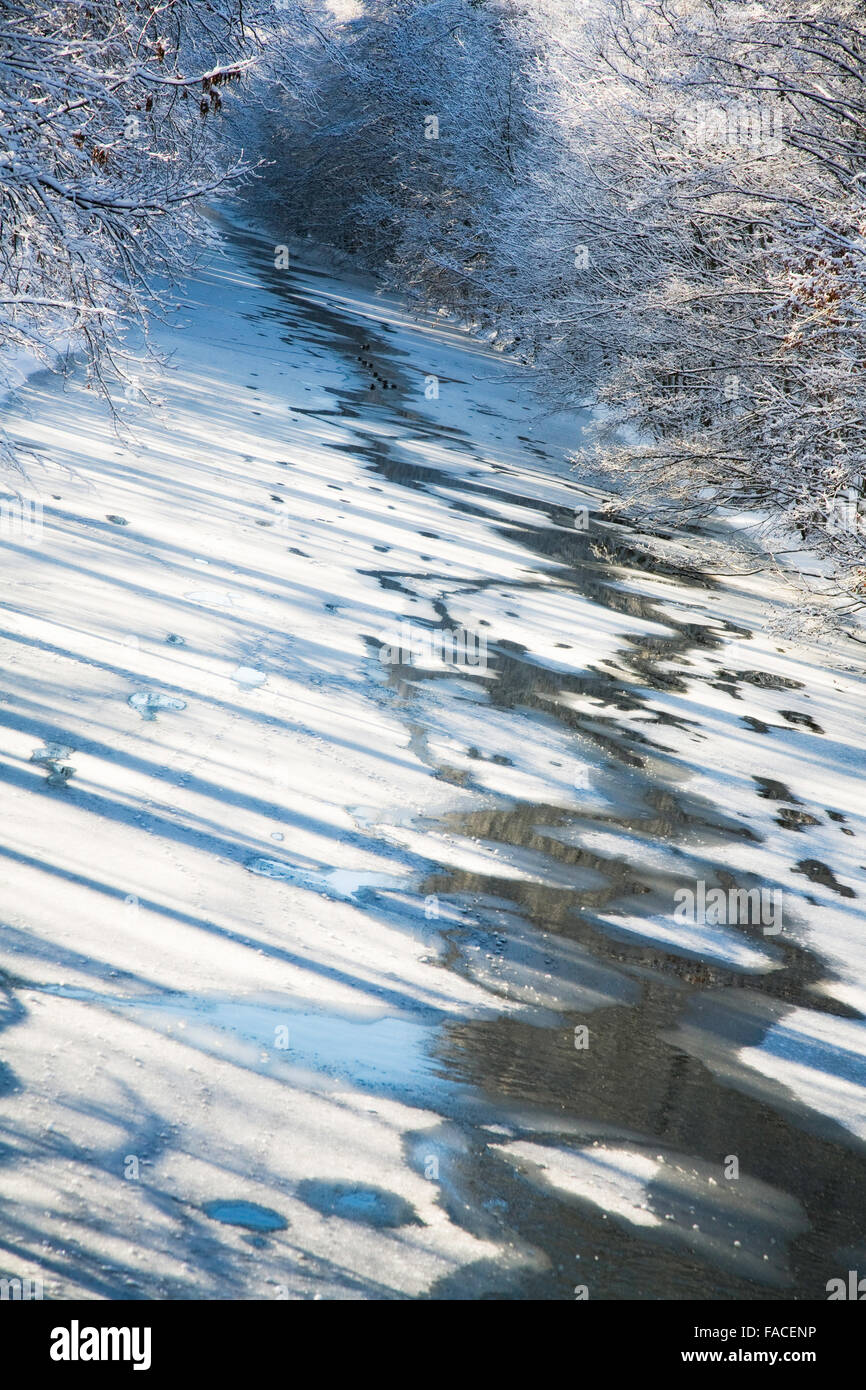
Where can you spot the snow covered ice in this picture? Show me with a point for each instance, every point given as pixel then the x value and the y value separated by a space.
pixel 299 951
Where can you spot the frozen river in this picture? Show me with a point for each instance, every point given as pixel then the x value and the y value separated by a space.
pixel 409 889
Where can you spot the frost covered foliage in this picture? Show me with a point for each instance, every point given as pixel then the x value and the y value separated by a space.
pixel 110 131
pixel 415 131
pixel 661 205
pixel 735 278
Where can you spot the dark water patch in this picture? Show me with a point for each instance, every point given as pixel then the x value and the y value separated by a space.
pixel 765 680
pixel 756 725
pixel 772 790
pixel 791 819
pixel 803 720
pixel 818 872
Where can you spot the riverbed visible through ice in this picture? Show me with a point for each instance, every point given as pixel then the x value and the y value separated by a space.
pixel 377 821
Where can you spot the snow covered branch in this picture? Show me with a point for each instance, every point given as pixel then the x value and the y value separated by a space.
pixel 659 203
pixel 110 135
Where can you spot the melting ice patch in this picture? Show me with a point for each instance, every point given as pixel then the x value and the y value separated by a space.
pixel 248 677
pixel 744 1225
pixel 517 961
pixel 247 1214
pixel 368 1047
pixel 821 1059
pixel 147 702
pixel 51 758
pixel 701 939
pixel 51 753
pixel 371 1206
pixel 616 1180
pixel 334 883
pixel 211 598
pixel 490 859
pixel 518 753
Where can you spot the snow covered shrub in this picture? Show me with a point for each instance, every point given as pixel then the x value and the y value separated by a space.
pixel 414 132
pixel 660 205
pixel 110 132
pixel 740 288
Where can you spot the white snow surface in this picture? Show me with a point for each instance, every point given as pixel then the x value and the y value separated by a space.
pixel 255 804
